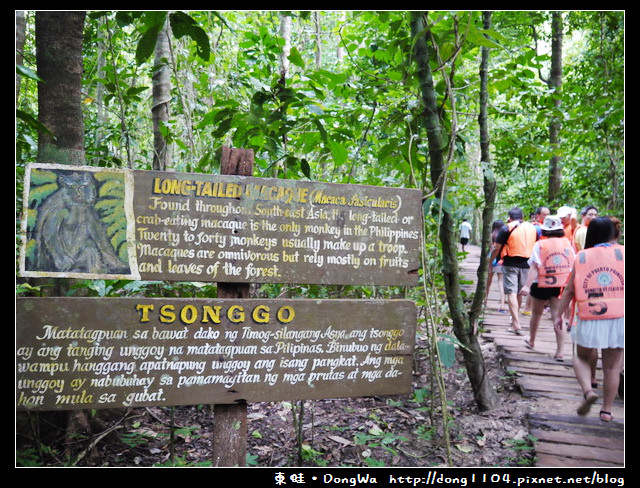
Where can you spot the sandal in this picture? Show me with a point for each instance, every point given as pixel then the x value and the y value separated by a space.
pixel 514 331
pixel 589 399
pixel 528 344
pixel 605 416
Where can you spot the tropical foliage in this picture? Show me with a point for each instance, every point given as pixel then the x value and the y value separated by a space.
pixel 342 104
pixel 336 96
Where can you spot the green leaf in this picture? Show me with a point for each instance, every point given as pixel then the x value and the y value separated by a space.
pixel 338 151
pixel 29 73
pixel 447 353
pixel 32 121
pixel 295 58
pixel 184 25
pixel 306 169
pixel 147 44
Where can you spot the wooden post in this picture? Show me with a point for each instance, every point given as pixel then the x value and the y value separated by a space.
pixel 230 421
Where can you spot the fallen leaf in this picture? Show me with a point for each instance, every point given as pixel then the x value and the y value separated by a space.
pixel 464 448
pixel 340 440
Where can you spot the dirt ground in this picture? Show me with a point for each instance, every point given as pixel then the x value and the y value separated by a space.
pixel 400 431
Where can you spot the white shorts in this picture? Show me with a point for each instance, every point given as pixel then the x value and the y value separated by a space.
pixel 599 334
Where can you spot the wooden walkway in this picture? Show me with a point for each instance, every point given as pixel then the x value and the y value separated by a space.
pixel 564 439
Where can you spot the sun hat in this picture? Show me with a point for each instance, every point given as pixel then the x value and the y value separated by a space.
pixel 551 222
pixel 564 212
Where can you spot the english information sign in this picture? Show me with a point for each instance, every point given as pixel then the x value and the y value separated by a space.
pixel 148 225
pixel 76 353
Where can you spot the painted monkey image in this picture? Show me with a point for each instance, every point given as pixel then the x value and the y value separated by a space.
pixel 69 235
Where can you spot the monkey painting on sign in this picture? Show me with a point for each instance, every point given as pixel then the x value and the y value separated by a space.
pixel 69 235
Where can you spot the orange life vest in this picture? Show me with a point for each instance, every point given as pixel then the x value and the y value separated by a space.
pixel 599 282
pixel 557 257
pixel 521 241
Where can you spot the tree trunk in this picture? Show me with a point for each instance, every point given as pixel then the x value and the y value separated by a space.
pixel 489 181
pixel 21 26
pixel 555 84
pixel 474 361
pixel 59 38
pixel 161 100
pixel 318 39
pixel 285 32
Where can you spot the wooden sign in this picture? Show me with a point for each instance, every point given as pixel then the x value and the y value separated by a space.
pixel 147 225
pixel 75 353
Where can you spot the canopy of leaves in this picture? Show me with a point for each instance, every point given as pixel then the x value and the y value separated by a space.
pixel 346 105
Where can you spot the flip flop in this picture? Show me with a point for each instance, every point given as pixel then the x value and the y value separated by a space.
pixel 589 399
pixel 605 416
pixel 527 344
pixel 514 331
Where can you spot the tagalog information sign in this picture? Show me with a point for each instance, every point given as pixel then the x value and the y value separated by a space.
pixel 76 353
pixel 150 225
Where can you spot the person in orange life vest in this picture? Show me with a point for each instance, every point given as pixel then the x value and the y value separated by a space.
pixel 587 215
pixel 569 218
pixel 538 219
pixel 495 268
pixel 514 244
pixel 550 265
pixel 597 284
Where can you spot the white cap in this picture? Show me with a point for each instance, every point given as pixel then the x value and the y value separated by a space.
pixel 564 212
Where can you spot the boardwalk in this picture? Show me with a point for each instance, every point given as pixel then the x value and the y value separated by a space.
pixel 564 439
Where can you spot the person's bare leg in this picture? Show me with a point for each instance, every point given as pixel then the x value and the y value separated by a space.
pixel 559 331
pixel 514 308
pixel 537 307
pixel 583 375
pixel 593 361
pixel 611 367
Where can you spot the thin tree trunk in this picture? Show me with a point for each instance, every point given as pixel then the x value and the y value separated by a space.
pixel 555 125
pixel 316 25
pixel 474 361
pixel 21 25
pixel 161 100
pixel 285 32
pixel 489 181
pixel 340 51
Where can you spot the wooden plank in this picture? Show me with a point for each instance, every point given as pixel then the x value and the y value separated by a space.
pixel 581 452
pixel 228 228
pixel 551 461
pixel 577 439
pixel 608 428
pixel 122 352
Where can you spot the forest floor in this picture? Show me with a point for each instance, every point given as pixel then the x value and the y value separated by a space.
pixel 398 431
